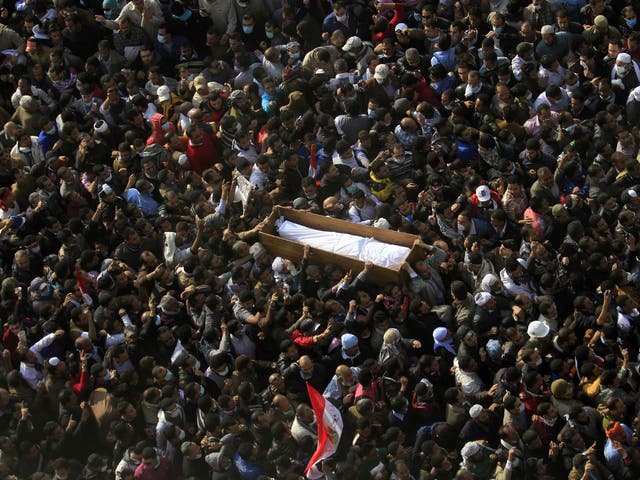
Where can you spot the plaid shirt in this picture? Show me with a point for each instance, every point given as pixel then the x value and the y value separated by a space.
pixel 539 18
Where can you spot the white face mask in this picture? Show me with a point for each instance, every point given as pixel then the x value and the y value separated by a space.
pixel 341 18
pixel 539 361
pixel 25 149
pixel 583 64
pixel 621 71
pixel 224 372
pixel 521 408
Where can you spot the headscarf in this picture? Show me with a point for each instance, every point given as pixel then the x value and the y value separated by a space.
pixel 439 335
pixel 391 345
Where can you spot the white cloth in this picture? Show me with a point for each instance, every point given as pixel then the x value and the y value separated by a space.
pixel 364 249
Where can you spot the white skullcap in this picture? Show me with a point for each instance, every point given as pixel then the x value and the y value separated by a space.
pixel 54 361
pixel 623 57
pixel 25 100
pixel 482 298
pixel 183 159
pixel 277 265
pixel 475 411
pixel 469 450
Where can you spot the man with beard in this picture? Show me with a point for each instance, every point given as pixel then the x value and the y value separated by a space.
pixel 341 388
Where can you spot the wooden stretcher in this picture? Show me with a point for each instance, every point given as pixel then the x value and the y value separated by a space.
pixel 291 250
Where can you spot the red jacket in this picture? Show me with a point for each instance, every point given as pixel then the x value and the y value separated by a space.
pixel 202 156
pixel 163 471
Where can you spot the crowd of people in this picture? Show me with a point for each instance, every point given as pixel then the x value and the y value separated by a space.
pixel 148 334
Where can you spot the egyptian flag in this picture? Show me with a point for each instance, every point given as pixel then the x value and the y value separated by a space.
pixel 329 422
pixel 313 162
pixel 83 287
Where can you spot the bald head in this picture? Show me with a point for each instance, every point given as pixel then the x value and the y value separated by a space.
pixel 281 402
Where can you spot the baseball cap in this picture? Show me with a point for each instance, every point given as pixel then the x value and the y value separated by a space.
pixel 354 43
pixel 483 193
pixel 381 72
pixel 601 21
pixel 164 93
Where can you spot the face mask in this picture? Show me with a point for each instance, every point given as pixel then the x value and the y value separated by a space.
pixel 107 376
pixel 225 372
pixel 165 127
pixel 160 38
pixel 529 96
pixel 247 29
pixel 539 361
pixel 51 131
pixel 620 70
pixel 25 149
pixel 498 29
pixel 294 56
pixel 352 188
pixel 521 408
pixel 371 113
pixel 341 18
pixel 305 376
pixel 549 422
pixel 631 23
pixel 182 435
pixel 269 35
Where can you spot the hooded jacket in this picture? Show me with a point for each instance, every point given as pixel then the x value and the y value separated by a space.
pixel 157 132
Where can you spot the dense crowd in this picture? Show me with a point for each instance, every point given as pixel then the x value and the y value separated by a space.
pixel 148 334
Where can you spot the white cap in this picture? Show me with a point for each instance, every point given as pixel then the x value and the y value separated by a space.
pixel 382 223
pixel 54 361
pixel 483 193
pixel 482 298
pixel 100 126
pixel 277 265
pixel 25 100
pixel 475 411
pixel 623 57
pixel 164 93
pixel 632 193
pixel 381 72
pixel 352 43
pixel 469 450
pixel 401 27
pixel 183 159
pixel 538 329
pixel 547 30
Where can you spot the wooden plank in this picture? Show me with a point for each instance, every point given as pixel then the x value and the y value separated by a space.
pixel 329 224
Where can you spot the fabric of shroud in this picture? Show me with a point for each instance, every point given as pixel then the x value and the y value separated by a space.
pixel 364 249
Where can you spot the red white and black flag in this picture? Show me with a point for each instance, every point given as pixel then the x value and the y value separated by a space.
pixel 329 422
